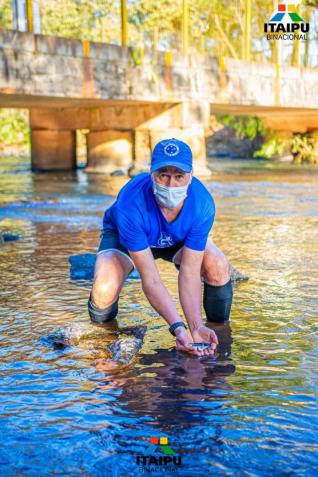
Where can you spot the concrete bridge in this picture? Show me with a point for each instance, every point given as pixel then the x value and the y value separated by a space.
pixel 129 100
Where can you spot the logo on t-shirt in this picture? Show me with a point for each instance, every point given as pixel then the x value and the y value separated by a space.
pixel 164 240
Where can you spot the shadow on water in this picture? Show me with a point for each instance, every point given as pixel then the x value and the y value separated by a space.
pixel 169 392
pixel 251 410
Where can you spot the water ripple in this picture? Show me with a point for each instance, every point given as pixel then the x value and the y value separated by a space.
pixel 251 410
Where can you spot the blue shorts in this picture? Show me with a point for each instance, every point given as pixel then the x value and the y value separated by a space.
pixel 109 240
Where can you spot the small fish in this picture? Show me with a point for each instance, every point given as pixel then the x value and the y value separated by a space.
pixel 201 345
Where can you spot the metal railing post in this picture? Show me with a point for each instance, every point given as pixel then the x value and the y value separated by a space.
pixel 29 12
pixel 124 22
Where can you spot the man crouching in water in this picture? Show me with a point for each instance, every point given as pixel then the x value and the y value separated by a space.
pixel 166 214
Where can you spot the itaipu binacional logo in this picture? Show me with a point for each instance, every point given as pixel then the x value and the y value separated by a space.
pixel 286 24
pixel 158 456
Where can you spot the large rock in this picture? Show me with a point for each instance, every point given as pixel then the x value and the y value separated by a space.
pixel 8 237
pixel 122 350
pixel 237 276
pixel 82 267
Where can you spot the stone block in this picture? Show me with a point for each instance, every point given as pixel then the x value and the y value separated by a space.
pixel 109 151
pixel 18 41
pixel 53 150
pixel 142 152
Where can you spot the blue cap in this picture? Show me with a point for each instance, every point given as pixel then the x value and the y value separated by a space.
pixel 171 152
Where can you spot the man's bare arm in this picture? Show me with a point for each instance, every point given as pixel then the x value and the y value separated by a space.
pixel 190 297
pixel 159 298
pixel 152 286
pixel 190 286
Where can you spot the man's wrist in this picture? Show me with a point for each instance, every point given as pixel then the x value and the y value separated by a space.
pixel 175 326
pixel 194 326
pixel 179 331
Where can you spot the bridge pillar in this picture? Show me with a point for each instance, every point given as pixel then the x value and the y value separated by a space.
pixel 53 150
pixel 109 151
pixel 185 121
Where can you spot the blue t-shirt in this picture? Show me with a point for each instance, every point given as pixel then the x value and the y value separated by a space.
pixel 140 222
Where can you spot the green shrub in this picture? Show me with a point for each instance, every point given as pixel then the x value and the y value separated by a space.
pixel 14 128
pixel 302 148
pixel 253 129
pixel 272 147
pixel 248 127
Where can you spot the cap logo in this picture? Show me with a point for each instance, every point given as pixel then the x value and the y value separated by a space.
pixel 171 149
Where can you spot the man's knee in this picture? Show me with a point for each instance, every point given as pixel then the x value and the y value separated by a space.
pixel 104 291
pixel 102 315
pixel 103 300
pixel 216 269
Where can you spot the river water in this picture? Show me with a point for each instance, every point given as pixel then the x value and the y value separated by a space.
pixel 251 411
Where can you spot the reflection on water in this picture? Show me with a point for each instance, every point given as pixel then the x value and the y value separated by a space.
pixel 251 410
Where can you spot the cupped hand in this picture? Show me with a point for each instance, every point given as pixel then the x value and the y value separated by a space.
pixel 184 340
pixel 203 334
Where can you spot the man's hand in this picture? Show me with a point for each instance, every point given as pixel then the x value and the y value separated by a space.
pixel 184 340
pixel 203 334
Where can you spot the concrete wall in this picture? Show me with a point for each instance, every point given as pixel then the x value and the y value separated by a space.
pixel 37 67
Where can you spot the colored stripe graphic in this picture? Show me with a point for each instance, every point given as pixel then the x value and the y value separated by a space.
pixel 278 17
pixel 282 11
pixel 295 17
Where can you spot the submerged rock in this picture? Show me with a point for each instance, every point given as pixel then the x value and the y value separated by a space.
pixel 122 350
pixel 8 237
pixel 82 267
pixel 72 334
pixel 237 276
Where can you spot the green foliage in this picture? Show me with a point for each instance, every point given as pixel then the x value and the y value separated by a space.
pixel 154 77
pixel 5 14
pixel 137 55
pixel 272 147
pixel 93 20
pixel 14 128
pixel 216 25
pixel 248 127
pixel 302 148
pixel 253 129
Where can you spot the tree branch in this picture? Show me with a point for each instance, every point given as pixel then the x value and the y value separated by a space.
pixel 224 36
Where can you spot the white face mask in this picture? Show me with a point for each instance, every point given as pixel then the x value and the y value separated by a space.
pixel 170 197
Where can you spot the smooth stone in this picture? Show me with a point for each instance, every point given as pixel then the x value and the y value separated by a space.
pixel 237 276
pixel 82 267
